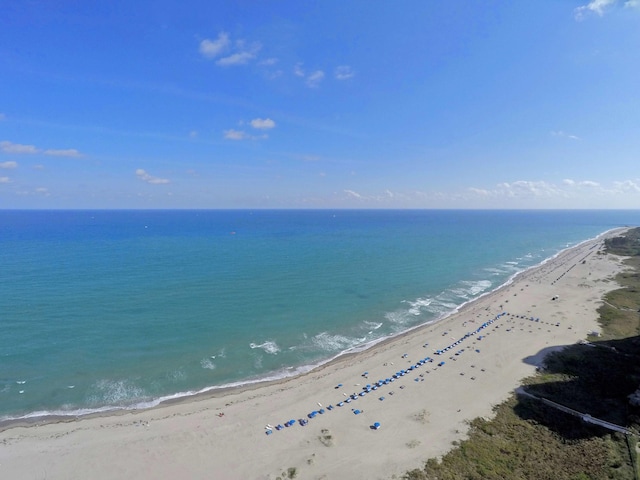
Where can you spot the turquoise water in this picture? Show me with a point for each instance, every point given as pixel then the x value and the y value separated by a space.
pixel 119 309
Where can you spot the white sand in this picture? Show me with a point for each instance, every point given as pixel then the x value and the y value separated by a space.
pixel 419 420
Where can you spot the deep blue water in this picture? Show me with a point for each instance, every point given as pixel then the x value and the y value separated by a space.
pixel 103 309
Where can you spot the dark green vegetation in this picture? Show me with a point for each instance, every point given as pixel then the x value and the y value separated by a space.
pixel 627 245
pixel 530 440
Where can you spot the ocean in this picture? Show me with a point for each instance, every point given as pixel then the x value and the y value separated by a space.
pixel 104 310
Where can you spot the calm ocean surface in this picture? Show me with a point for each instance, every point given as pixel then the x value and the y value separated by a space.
pixel 104 309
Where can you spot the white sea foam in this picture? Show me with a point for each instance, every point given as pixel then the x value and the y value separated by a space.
pixel 333 342
pixel 399 317
pixel 474 288
pixel 268 346
pixel 415 307
pixel 373 325
pixel 208 364
pixel 257 362
pixel 115 392
pixel 177 375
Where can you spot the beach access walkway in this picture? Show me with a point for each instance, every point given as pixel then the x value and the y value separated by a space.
pixel 585 417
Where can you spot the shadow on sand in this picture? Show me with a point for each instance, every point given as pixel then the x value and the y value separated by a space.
pixel 594 378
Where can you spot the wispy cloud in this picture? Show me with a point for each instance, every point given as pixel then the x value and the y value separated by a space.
pixel 312 79
pixel 17 148
pixel 229 53
pixel 69 152
pixel 600 7
pixel 575 192
pixel 256 123
pixel 214 48
pixel 238 58
pixel 8 165
pixel 353 194
pixel 9 147
pixel 2 117
pixel 524 188
pixel 344 72
pixel 233 134
pixel 627 186
pixel 298 71
pixel 561 134
pixel 146 177
pixel 263 123
pixel 5 180
pixel 582 183
pixel 236 135
pixel 567 193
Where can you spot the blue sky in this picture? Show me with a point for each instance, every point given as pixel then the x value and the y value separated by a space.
pixel 332 104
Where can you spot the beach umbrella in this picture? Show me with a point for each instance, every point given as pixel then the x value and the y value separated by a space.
pixel 376 425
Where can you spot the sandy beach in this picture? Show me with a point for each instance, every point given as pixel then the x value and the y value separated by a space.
pixel 224 435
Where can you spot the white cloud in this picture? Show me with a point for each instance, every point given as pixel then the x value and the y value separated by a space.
pixel 229 53
pixel 481 192
pixel 9 147
pixel 595 6
pixel 8 165
pixel 239 58
pixel 2 117
pixel 353 194
pixel 568 193
pixel 525 188
pixel 298 71
pixel 584 183
pixel 344 72
pixel 232 134
pixel 561 134
pixel 145 177
pixel 274 74
pixel 268 62
pixel 69 152
pixel 263 123
pixel 5 180
pixel 627 186
pixel 314 79
pixel 214 48
pixel 632 4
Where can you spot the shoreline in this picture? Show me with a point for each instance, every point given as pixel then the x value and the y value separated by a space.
pixel 214 391
pixel 41 418
pixel 433 412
